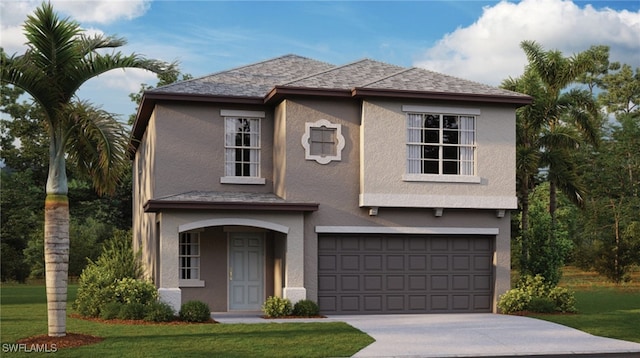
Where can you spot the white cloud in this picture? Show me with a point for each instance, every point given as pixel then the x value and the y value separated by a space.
pixel 489 50
pixel 102 11
pixel 14 13
pixel 127 80
pixel 109 90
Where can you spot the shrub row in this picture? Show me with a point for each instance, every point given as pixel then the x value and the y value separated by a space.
pixel 110 288
pixel 275 307
pixel 532 294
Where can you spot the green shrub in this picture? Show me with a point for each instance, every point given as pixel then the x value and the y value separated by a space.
pixel 306 308
pixel 98 281
pixel 96 290
pixel 159 311
pixel 533 294
pixel 129 290
pixel 277 307
pixel 515 300
pixel 111 310
pixel 563 299
pixel 195 311
pixel 133 310
pixel 541 305
pixel 534 286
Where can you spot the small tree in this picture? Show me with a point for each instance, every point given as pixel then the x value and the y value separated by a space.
pixel 547 247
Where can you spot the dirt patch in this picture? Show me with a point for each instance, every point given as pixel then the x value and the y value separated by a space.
pixel 55 343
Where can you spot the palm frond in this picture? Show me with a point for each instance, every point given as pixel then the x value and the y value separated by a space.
pixel 582 110
pixel 88 44
pixel 559 138
pixel 98 144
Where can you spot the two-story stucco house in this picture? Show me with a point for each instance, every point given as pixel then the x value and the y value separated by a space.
pixel 368 188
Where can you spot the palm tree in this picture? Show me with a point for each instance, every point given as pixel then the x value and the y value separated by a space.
pixel 570 118
pixel 529 124
pixel 59 59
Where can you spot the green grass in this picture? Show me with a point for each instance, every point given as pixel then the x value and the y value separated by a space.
pixel 23 314
pixel 604 309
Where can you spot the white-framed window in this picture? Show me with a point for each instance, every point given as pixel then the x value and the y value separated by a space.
pixel 189 256
pixel 323 141
pixel 441 144
pixel 242 147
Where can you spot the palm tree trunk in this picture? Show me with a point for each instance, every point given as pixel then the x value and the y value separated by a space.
pixel 56 258
pixel 56 239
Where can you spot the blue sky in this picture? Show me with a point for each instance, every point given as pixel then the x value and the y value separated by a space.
pixel 476 40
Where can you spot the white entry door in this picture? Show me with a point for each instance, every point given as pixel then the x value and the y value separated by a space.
pixel 246 271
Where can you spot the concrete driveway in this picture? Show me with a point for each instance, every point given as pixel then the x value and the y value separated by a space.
pixel 478 335
pixel 466 335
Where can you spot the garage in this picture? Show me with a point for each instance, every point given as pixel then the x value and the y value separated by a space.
pixel 376 274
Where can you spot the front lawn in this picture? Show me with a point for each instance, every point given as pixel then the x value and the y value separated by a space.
pixel 604 309
pixel 23 314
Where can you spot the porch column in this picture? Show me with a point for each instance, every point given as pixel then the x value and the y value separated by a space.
pixel 168 287
pixel 294 288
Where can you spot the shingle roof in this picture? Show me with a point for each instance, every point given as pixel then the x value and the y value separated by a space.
pixel 250 81
pixel 224 196
pixel 215 200
pixel 257 80
pixel 348 76
pixel 421 80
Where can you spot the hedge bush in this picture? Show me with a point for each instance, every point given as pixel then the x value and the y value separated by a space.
pixel 129 290
pixel 533 294
pixel 159 311
pixel 111 310
pixel 98 281
pixel 96 289
pixel 275 307
pixel 195 311
pixel 306 308
pixel 133 310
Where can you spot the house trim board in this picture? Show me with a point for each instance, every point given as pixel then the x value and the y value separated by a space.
pixel 438 201
pixel 406 230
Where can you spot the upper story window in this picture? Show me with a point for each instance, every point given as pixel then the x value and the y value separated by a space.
pixel 441 145
pixel 323 141
pixel 242 147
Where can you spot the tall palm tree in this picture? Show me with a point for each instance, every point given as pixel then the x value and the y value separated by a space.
pixel 59 59
pixel 571 118
pixel 529 124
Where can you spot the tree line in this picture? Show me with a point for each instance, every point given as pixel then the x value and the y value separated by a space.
pixel 578 164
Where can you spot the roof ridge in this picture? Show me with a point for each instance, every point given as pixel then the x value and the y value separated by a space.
pixel 404 69
pixel 325 71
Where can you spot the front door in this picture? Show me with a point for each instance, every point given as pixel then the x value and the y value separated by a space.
pixel 246 271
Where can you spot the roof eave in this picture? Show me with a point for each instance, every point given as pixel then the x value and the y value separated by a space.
pixel 154 206
pixel 518 100
pixel 278 93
